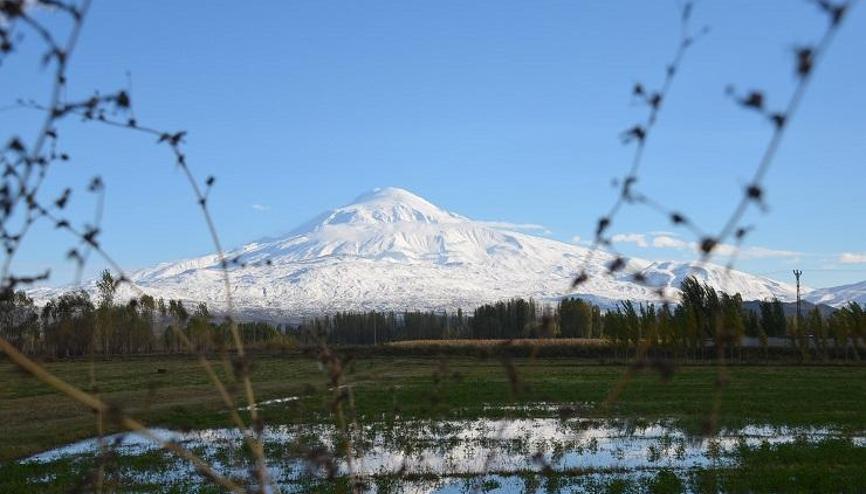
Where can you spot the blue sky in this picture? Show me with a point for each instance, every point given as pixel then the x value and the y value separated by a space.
pixel 498 110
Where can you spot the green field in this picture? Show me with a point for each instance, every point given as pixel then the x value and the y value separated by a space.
pixel 179 396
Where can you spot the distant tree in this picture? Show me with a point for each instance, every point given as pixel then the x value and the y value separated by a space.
pixel 773 319
pixel 69 324
pixel 179 317
pixel 752 323
pixel 105 338
pixel 649 325
pixel 765 342
pixel 732 328
pixel 147 305
pixel 668 337
pixel 19 320
pixel 199 328
pixel 855 318
pixel 630 324
pixel 780 321
pixel 107 289
pixel 700 305
pixel 597 322
pixel 575 318
pixel 838 325
pixel 514 318
pixel 815 326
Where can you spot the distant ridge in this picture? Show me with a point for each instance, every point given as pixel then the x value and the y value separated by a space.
pixel 839 295
pixel 390 249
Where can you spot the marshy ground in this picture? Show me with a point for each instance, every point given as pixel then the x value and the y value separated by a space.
pixel 782 427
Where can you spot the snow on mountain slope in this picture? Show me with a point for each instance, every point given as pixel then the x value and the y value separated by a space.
pixel 838 296
pixel 392 250
pixel 751 287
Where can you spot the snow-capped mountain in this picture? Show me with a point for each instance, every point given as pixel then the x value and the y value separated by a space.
pixel 839 295
pixel 393 250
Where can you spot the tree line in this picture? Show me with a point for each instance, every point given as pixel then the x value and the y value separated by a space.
pixel 73 325
pixel 704 321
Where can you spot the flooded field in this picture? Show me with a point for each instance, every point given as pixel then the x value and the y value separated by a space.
pixel 490 455
pixel 781 429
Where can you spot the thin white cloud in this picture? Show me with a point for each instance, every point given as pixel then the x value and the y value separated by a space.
pixel 669 240
pixel 749 251
pixel 505 225
pixel 260 207
pixel 853 258
pixel 638 239
pixel 758 252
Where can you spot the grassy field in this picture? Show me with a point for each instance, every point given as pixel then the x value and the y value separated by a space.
pixel 175 392
pixel 34 417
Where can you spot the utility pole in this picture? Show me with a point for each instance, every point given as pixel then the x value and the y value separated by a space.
pixel 797 274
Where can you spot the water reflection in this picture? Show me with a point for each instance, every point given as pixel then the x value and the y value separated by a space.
pixel 444 453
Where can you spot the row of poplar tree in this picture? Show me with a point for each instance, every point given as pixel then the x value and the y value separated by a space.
pixel 74 325
pixel 703 320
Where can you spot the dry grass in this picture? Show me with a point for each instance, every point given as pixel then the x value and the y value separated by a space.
pixel 541 342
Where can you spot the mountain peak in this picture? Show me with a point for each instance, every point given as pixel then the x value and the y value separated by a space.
pixel 393 193
pixel 389 205
pixel 390 249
